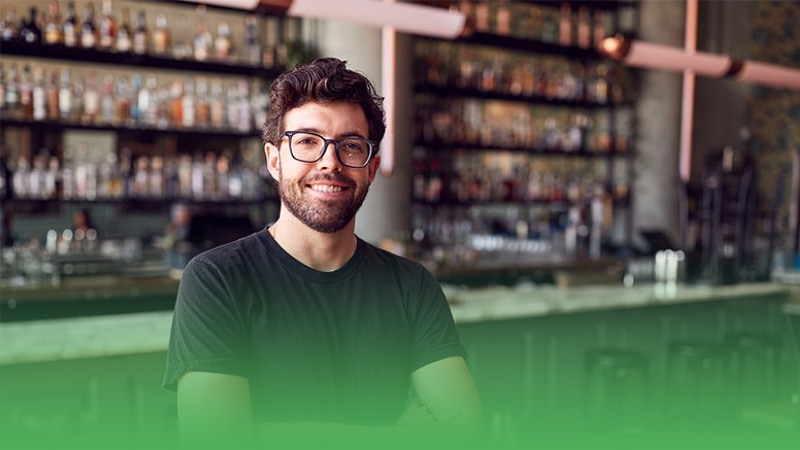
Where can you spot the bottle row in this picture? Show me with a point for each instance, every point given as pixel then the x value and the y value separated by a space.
pixel 139 101
pixel 481 68
pixel 563 24
pixel 536 234
pixel 510 125
pixel 202 177
pixel 113 31
pixel 470 178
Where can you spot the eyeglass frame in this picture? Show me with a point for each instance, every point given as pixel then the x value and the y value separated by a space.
pixel 371 144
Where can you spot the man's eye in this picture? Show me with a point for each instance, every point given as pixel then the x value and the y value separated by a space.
pixel 307 141
pixel 354 146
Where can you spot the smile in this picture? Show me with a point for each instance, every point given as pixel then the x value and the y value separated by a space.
pixel 326 188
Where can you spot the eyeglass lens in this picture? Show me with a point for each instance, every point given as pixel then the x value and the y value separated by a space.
pixel 309 147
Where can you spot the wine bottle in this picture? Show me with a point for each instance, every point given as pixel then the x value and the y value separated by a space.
pixel 30 31
pixel 70 29
pixel 88 28
pixel 52 30
pixel 108 27
pixel 140 38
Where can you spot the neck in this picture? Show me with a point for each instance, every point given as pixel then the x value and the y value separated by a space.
pixel 325 252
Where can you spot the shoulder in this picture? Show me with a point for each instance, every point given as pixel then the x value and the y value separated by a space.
pixel 236 255
pixel 376 254
pixel 385 262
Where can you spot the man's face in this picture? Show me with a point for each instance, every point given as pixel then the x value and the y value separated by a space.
pixel 324 195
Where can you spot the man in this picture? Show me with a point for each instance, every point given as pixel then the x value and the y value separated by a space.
pixel 302 333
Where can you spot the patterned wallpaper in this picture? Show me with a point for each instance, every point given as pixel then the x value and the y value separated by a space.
pixel 774 114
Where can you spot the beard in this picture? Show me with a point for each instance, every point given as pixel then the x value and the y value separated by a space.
pixel 330 216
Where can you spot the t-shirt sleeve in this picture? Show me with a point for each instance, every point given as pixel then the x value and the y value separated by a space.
pixel 435 335
pixel 208 332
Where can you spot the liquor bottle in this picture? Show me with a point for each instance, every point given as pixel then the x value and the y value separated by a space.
pixel 188 110
pixel 38 175
pixel 584 35
pixel 52 30
pixel 235 181
pixel 104 178
pixel 30 31
pixel 2 94
pixel 244 117
pixel 232 107
pixel 78 90
pixel 52 96
pixel 269 55
pixel 600 83
pixel 223 179
pixel 217 105
pixel 565 25
pixel 38 95
pixel 140 38
pixel 135 113
pixel 108 27
pixel 52 178
pixel 223 46
pixel 148 101
pixel 503 18
pixel 20 178
pixel 160 38
pixel 26 94
pixel 210 175
pixel 107 101
pixel 91 99
pixel 202 38
pixel 64 96
pixel 9 31
pixel 88 28
pixel 124 33
pixel 140 177
pixel 184 176
pixel 122 100
pixel 176 103
pixel 599 26
pixel 482 16
pixel 252 47
pixel 156 181
pixel 202 106
pixel 198 189
pixel 70 29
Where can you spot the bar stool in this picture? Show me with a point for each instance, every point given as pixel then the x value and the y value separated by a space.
pixel 695 381
pixel 755 367
pixel 616 389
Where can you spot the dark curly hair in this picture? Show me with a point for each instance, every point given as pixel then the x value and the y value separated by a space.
pixel 324 80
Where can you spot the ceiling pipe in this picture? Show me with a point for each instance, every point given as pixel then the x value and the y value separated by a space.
pixel 647 55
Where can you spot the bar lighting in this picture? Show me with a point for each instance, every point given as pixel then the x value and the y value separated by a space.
pixel 662 57
pixel 403 17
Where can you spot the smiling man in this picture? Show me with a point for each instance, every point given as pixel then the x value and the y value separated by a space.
pixel 302 333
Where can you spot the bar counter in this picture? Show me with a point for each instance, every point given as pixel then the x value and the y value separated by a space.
pixel 148 331
pixel 558 366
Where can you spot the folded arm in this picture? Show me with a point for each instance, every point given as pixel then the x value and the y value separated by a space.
pixel 215 409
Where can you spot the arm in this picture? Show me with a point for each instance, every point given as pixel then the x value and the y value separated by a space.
pixel 445 411
pixel 214 410
pixel 446 389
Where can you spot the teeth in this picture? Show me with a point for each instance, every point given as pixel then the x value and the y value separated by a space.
pixel 326 188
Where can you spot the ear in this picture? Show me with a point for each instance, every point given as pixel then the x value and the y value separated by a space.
pixel 373 166
pixel 273 160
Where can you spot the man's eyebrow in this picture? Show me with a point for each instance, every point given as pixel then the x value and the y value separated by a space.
pixel 353 133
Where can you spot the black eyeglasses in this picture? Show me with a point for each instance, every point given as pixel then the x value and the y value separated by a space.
pixel 309 147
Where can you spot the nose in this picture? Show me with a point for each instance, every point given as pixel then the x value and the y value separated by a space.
pixel 329 158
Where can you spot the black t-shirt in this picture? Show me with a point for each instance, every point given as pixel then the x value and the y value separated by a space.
pixel 329 346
